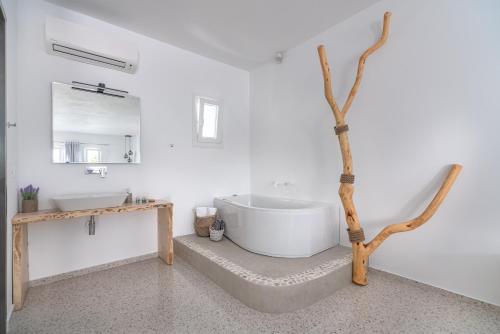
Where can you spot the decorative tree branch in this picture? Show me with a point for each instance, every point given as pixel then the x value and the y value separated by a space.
pixel 328 84
pixel 424 216
pixel 362 251
pixel 362 60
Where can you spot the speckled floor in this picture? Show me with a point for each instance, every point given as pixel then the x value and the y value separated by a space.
pixel 150 297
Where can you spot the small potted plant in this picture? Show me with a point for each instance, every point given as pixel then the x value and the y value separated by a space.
pixel 217 230
pixel 30 199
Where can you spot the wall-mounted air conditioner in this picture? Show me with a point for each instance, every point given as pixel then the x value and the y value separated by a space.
pixel 83 44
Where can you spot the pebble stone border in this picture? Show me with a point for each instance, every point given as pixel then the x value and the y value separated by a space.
pixel 293 279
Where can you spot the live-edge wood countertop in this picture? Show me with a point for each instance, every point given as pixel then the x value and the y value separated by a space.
pixel 46 215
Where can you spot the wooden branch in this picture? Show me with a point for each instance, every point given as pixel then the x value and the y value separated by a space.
pixel 362 60
pixel 361 251
pixel 423 218
pixel 325 68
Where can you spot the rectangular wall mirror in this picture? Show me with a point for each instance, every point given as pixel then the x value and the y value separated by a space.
pixel 92 124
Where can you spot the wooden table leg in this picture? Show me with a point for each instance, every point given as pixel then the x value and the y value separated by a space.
pixel 165 234
pixel 20 274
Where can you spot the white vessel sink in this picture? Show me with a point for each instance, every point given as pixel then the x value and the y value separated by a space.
pixel 89 201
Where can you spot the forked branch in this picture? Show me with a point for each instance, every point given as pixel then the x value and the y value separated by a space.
pixel 360 250
pixel 327 81
pixel 362 60
pixel 423 218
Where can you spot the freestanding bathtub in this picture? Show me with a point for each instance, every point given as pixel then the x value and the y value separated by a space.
pixel 278 227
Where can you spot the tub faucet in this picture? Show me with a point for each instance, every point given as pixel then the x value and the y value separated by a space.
pixel 277 184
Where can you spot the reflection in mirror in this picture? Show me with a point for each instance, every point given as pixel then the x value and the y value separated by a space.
pixel 91 126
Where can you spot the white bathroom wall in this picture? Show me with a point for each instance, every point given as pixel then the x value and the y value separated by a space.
pixel 166 80
pixel 10 11
pixel 429 98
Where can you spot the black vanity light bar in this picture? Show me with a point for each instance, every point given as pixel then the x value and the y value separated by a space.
pixel 99 89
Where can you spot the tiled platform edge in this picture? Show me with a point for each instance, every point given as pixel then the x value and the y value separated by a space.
pixel 267 294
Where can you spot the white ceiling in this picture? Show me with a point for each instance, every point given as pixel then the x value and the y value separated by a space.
pixel 242 33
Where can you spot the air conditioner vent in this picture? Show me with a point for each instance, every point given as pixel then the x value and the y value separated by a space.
pixel 76 42
pixel 89 56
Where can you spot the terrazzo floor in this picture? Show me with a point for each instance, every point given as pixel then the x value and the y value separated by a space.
pixel 150 297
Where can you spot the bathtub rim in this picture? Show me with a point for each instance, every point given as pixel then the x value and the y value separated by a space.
pixel 318 205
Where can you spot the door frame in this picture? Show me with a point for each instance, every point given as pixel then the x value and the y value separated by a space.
pixel 3 174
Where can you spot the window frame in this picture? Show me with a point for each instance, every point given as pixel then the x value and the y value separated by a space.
pixel 198 139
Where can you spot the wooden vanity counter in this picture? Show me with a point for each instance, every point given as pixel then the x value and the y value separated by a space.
pixel 20 262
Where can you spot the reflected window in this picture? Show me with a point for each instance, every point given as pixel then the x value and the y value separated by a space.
pixel 58 153
pixel 93 155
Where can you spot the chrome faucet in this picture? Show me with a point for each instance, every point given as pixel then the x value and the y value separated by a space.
pixel 101 170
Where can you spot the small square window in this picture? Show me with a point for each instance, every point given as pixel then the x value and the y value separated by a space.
pixel 207 123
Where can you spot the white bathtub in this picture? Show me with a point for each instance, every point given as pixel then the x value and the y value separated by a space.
pixel 278 227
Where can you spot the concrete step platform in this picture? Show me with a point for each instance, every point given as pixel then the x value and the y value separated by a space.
pixel 267 284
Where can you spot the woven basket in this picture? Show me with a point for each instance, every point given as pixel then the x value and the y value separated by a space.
pixel 202 225
pixel 216 235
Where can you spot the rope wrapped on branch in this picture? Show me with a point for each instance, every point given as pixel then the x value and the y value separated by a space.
pixel 356 236
pixel 347 178
pixel 341 128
